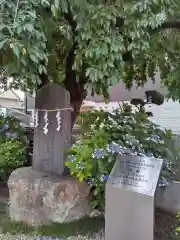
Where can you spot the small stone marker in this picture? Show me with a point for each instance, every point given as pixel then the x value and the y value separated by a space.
pixel 50 146
pixel 130 190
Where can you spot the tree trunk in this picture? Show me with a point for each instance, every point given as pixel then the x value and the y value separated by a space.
pixel 75 88
pixel 77 95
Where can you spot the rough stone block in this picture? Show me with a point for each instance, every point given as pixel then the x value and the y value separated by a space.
pixel 37 198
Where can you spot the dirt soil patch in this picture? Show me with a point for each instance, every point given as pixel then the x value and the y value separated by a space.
pixel 165 224
pixel 4 192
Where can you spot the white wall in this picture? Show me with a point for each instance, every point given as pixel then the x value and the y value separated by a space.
pixel 11 103
pixel 167 115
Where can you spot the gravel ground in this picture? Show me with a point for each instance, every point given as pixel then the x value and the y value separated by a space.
pixel 164 227
pixel 165 224
pixel 24 237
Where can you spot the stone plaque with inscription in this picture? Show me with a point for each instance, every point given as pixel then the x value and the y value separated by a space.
pixel 130 190
pixel 49 151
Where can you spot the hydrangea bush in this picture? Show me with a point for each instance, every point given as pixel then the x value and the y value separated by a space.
pixel 13 144
pixel 106 135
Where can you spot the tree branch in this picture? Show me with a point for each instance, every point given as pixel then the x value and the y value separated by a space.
pixel 44 80
pixel 69 18
pixel 75 88
pixel 171 25
pixel 168 24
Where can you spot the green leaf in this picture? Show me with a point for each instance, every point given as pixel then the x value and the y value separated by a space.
pixel 56 3
pixel 33 58
pixel 29 27
pixel 2 43
pixel 54 10
pixel 16 50
pixel 2 26
pixel 40 69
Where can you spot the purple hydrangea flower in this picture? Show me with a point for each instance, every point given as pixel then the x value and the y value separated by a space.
pixel 14 135
pixel 114 148
pixel 8 135
pixel 163 182
pixel 104 178
pixel 99 153
pixel 5 126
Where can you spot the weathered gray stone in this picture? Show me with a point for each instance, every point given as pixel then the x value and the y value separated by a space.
pixel 37 198
pixel 50 150
pixel 168 198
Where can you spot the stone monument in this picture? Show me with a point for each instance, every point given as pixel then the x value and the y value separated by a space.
pixel 130 190
pixel 42 193
pixel 52 134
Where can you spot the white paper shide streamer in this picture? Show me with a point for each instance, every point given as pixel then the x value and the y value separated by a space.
pixel 59 120
pixel 46 123
pixel 36 119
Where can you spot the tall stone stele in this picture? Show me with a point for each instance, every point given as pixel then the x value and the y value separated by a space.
pixel 50 149
pixel 42 193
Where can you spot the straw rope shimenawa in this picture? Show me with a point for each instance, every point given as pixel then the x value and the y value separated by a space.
pixel 54 110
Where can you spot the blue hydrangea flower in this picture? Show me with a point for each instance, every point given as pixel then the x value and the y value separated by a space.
pixel 11 135
pixel 141 154
pixel 104 178
pixel 91 181
pixel 99 153
pixel 163 182
pixel 5 126
pixel 168 166
pixel 114 148
pixel 8 135
pixel 72 158
pixel 149 155
pixel 127 151
pixel 156 137
pixel 81 165
pixel 14 135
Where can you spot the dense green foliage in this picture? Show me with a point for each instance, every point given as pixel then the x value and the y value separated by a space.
pixel 12 146
pixel 108 134
pixel 93 43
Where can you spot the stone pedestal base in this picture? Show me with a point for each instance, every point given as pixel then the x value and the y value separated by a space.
pixel 37 198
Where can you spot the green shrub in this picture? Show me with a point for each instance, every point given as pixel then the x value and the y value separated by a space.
pixel 13 144
pixel 12 156
pixel 105 135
